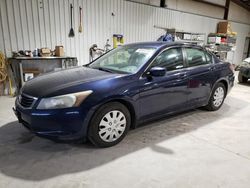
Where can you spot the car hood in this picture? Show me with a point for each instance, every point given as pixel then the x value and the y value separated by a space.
pixel 47 84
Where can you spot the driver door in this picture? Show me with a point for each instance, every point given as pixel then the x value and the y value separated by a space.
pixel 160 95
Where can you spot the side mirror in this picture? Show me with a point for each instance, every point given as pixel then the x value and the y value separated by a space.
pixel 157 71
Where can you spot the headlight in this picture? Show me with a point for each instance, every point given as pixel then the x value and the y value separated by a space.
pixel 64 101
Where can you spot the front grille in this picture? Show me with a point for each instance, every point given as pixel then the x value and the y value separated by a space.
pixel 26 101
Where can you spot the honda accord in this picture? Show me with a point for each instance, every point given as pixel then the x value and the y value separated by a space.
pixel 129 85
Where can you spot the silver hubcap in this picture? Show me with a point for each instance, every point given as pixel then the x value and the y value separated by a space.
pixel 218 96
pixel 112 126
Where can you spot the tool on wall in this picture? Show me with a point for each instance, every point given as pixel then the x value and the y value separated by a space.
pixel 71 31
pixel 80 26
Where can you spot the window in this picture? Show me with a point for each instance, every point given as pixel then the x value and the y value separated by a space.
pixel 209 58
pixel 171 59
pixel 195 57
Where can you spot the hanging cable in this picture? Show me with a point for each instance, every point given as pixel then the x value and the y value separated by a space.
pixel 3 68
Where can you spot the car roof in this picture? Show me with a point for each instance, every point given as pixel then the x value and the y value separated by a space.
pixel 159 45
pixel 247 60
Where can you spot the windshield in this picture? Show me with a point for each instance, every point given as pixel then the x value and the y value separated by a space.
pixel 125 59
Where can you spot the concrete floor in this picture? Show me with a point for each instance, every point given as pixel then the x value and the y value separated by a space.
pixel 192 149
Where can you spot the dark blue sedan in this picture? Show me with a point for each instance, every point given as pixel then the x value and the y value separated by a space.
pixel 129 85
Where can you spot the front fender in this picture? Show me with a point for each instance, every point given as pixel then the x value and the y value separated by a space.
pixel 128 102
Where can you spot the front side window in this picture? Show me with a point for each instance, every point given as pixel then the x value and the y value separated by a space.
pixel 126 59
pixel 209 58
pixel 171 59
pixel 195 57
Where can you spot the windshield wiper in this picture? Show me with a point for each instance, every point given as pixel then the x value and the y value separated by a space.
pixel 86 65
pixel 105 69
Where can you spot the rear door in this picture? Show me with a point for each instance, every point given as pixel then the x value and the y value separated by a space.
pixel 201 77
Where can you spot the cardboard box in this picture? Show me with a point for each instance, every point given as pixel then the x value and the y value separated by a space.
pixel 186 36
pixel 224 27
pixel 59 51
pixel 216 40
pixel 45 52
pixel 211 39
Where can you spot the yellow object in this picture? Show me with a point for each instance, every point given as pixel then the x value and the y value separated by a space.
pixel 117 40
pixel 4 74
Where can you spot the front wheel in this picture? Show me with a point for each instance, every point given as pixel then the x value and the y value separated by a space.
pixel 217 97
pixel 109 125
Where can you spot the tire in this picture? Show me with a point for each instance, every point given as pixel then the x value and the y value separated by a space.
pixel 218 92
pixel 241 78
pixel 109 125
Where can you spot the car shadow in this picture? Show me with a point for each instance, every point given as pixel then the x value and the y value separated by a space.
pixel 28 157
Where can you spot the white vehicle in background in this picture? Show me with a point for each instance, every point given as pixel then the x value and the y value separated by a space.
pixel 244 70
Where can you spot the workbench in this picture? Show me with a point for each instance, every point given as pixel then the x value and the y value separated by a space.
pixel 38 66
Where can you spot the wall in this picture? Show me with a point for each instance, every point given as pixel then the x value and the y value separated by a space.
pixel 236 12
pixel 196 7
pixel 30 24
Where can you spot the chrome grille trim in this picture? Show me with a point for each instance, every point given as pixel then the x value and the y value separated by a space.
pixel 26 101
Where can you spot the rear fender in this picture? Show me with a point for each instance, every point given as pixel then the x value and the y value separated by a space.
pixel 224 81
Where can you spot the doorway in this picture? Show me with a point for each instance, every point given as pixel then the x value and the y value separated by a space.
pixel 246 52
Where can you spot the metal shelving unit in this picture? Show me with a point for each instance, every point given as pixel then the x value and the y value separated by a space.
pixel 185 36
pixel 223 45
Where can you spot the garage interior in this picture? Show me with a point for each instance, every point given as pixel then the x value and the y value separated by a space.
pixel 195 148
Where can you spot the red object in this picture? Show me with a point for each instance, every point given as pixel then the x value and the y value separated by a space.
pixel 223 40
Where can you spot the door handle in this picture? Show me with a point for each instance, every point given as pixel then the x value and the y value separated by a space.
pixel 182 75
pixel 211 68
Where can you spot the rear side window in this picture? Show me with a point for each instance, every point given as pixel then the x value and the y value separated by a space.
pixel 195 57
pixel 171 59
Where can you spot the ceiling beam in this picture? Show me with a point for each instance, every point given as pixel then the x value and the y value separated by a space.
pixel 240 3
pixel 210 3
pixel 227 4
pixel 163 3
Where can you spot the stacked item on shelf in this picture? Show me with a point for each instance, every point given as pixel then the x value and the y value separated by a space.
pixel 223 43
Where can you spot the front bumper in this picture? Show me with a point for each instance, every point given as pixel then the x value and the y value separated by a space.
pixel 59 124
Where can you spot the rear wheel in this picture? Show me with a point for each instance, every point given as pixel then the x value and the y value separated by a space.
pixel 217 97
pixel 109 125
pixel 241 78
